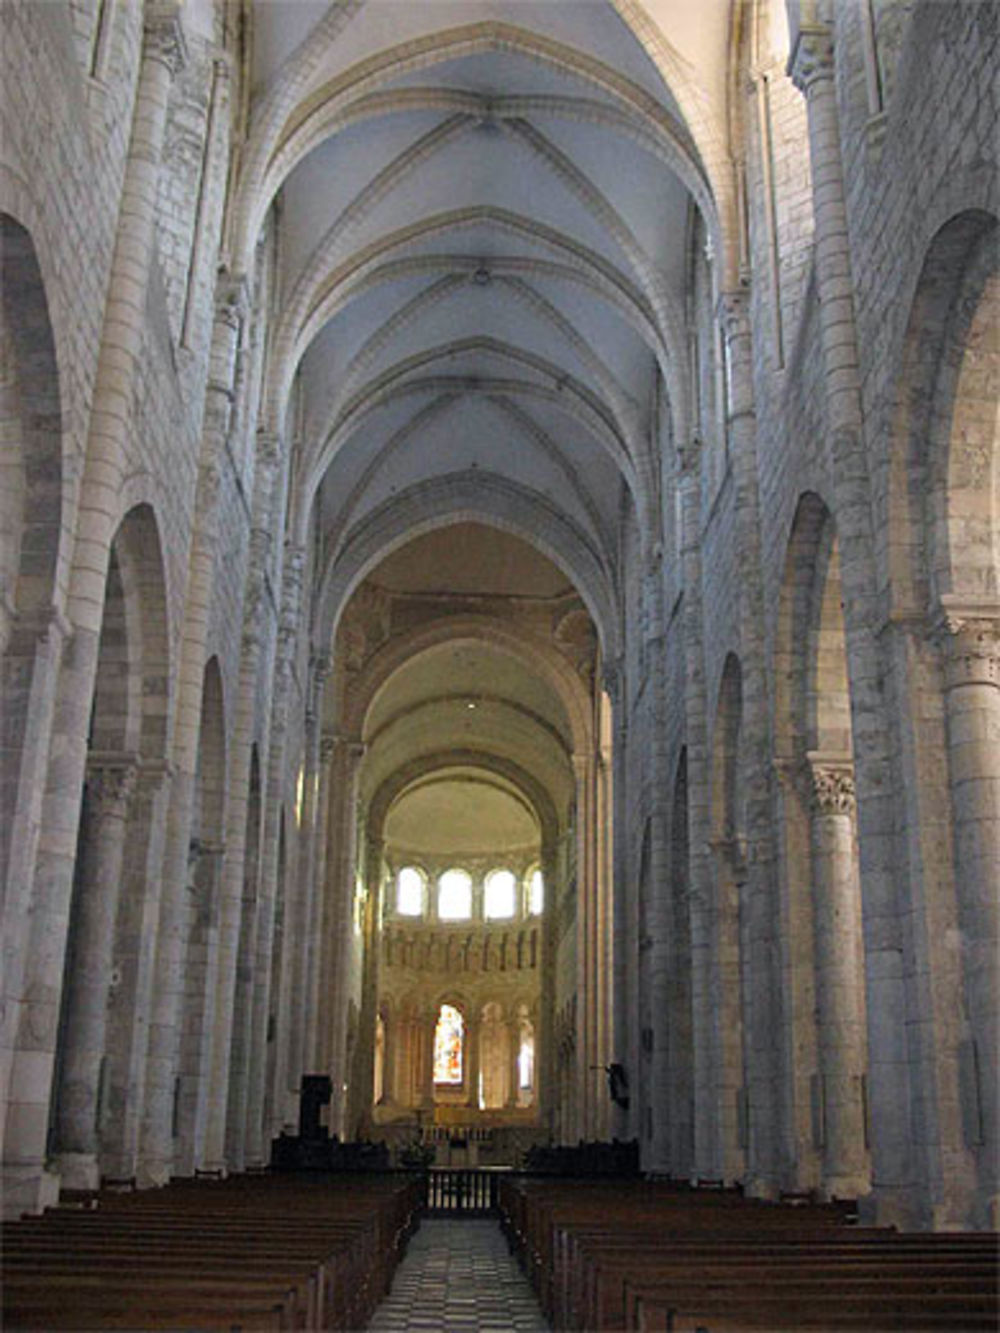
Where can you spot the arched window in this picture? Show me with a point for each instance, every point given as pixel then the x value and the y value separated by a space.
pixel 499 899
pixel 410 892
pixel 536 893
pixel 454 896
pixel 449 1041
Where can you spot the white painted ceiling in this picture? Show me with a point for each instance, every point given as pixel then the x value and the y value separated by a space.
pixel 484 235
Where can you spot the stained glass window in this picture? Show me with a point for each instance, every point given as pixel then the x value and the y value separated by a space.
pixel 499 900
pixel 536 893
pixel 454 896
pixel 409 892
pixel 449 1036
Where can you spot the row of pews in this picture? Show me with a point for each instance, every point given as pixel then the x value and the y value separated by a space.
pixel 247 1253
pixel 649 1255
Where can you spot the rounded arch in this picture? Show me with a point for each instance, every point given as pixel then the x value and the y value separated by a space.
pixel 531 790
pixel 812 696
pixel 461 497
pixel 728 816
pixel 537 654
pixel 945 492
pixel 138 552
pixel 31 473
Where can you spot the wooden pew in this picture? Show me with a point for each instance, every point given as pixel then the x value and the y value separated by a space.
pixel 645 1255
pixel 267 1253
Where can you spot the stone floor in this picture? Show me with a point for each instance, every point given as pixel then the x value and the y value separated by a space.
pixel 460 1277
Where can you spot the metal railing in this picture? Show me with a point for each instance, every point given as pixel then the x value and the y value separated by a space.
pixel 465 1190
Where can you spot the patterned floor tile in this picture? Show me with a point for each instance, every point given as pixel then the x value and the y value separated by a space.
pixel 459 1277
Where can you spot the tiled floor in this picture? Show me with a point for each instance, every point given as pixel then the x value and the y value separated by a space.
pixel 459 1277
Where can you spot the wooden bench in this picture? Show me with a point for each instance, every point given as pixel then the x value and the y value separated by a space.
pixel 285 1253
pixel 648 1255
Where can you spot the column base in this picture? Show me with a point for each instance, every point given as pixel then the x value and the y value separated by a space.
pixel 890 1206
pixel 153 1172
pixel 845 1187
pixel 28 1189
pixel 758 1187
pixel 78 1170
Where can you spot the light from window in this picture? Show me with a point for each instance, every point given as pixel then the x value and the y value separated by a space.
pixel 409 892
pixel 448 1038
pixel 454 896
pixel 526 1060
pixel 536 893
pixel 499 900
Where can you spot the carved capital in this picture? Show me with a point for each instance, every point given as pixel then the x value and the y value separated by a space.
pixel 812 59
pixel 972 649
pixel 689 457
pixel 164 35
pixel 733 313
pixel 327 747
pixel 232 298
pixel 111 783
pixel 832 791
pixel 268 448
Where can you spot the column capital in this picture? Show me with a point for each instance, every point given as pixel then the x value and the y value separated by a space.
pixel 689 456
pixel 327 747
pixel 832 777
pixel 111 782
pixel 971 644
pixel 232 298
pixel 732 310
pixel 811 60
pixel 164 35
pixel 269 446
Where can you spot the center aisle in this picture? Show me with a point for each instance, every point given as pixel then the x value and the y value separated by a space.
pixel 459 1277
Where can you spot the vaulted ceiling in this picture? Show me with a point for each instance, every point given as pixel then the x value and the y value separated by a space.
pixel 484 216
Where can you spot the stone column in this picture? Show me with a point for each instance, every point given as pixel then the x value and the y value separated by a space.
pixel 304 1015
pixel 890 981
pixel 707 1135
pixel 513 1067
pixel 761 1019
pixel 347 757
pixel 132 981
pixel 590 986
pixel 426 1040
pixel 266 503
pixel 728 971
pixel 26 1183
pixel 174 926
pixel 473 1060
pixel 972 704
pixel 839 977
pixel 320 923
pixel 110 784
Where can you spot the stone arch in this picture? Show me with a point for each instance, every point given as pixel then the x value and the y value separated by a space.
pixel 31 437
pixel 457 498
pixel 124 767
pixel 31 499
pixel 535 653
pixel 814 742
pixel 945 571
pixel 138 554
pixel 945 507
